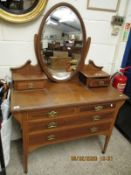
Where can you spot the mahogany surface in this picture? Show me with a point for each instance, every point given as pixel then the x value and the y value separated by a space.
pixel 81 112
pixel 62 94
pixel 28 77
pixel 93 76
pixel 92 71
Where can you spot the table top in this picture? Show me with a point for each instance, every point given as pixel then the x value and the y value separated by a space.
pixel 62 94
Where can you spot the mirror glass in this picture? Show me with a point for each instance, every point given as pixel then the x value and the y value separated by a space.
pixel 18 6
pixel 62 42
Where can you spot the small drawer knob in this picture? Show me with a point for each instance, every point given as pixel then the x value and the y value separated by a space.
pixel 51 137
pixel 52 114
pixel 52 125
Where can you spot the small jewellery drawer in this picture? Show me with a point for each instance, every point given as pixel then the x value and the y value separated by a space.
pixel 98 82
pixel 50 113
pixel 38 125
pixel 66 134
pixel 98 107
pixel 24 85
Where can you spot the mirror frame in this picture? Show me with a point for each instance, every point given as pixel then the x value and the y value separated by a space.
pixel 21 18
pixel 37 42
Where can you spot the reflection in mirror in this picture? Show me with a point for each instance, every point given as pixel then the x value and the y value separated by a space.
pixel 18 6
pixel 62 42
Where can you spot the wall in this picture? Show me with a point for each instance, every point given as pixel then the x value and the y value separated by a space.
pixel 128 17
pixel 16 40
pixel 121 44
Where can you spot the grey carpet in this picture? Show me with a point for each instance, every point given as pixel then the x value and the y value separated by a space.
pixel 56 159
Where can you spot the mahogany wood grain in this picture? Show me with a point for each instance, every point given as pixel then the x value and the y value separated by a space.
pixel 43 124
pixel 73 106
pixel 60 111
pixel 93 76
pixel 54 135
pixel 28 76
pixel 58 95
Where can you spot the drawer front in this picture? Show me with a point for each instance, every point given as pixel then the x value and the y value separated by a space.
pixel 98 107
pixel 98 82
pixel 51 113
pixel 24 85
pixel 67 111
pixel 38 125
pixel 68 134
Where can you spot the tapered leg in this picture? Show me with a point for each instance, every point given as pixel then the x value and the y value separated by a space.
pixel 25 148
pixel 25 161
pixel 106 144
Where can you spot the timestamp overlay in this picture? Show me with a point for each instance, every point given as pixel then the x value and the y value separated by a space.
pixel 91 158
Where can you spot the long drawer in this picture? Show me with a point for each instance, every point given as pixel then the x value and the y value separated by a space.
pixel 66 111
pixel 53 136
pixel 37 125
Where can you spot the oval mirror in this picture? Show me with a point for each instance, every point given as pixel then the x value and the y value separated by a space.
pixel 60 42
pixel 21 10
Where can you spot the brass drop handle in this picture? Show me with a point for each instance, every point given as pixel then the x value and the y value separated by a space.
pixel 51 137
pixel 98 108
pixel 96 118
pixel 94 129
pixel 52 114
pixel 52 125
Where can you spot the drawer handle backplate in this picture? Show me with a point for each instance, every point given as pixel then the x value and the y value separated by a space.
pixel 98 108
pixel 52 125
pixel 96 118
pixel 94 129
pixel 51 137
pixel 52 114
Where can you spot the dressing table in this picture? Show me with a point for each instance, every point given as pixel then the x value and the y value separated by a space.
pixel 53 105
